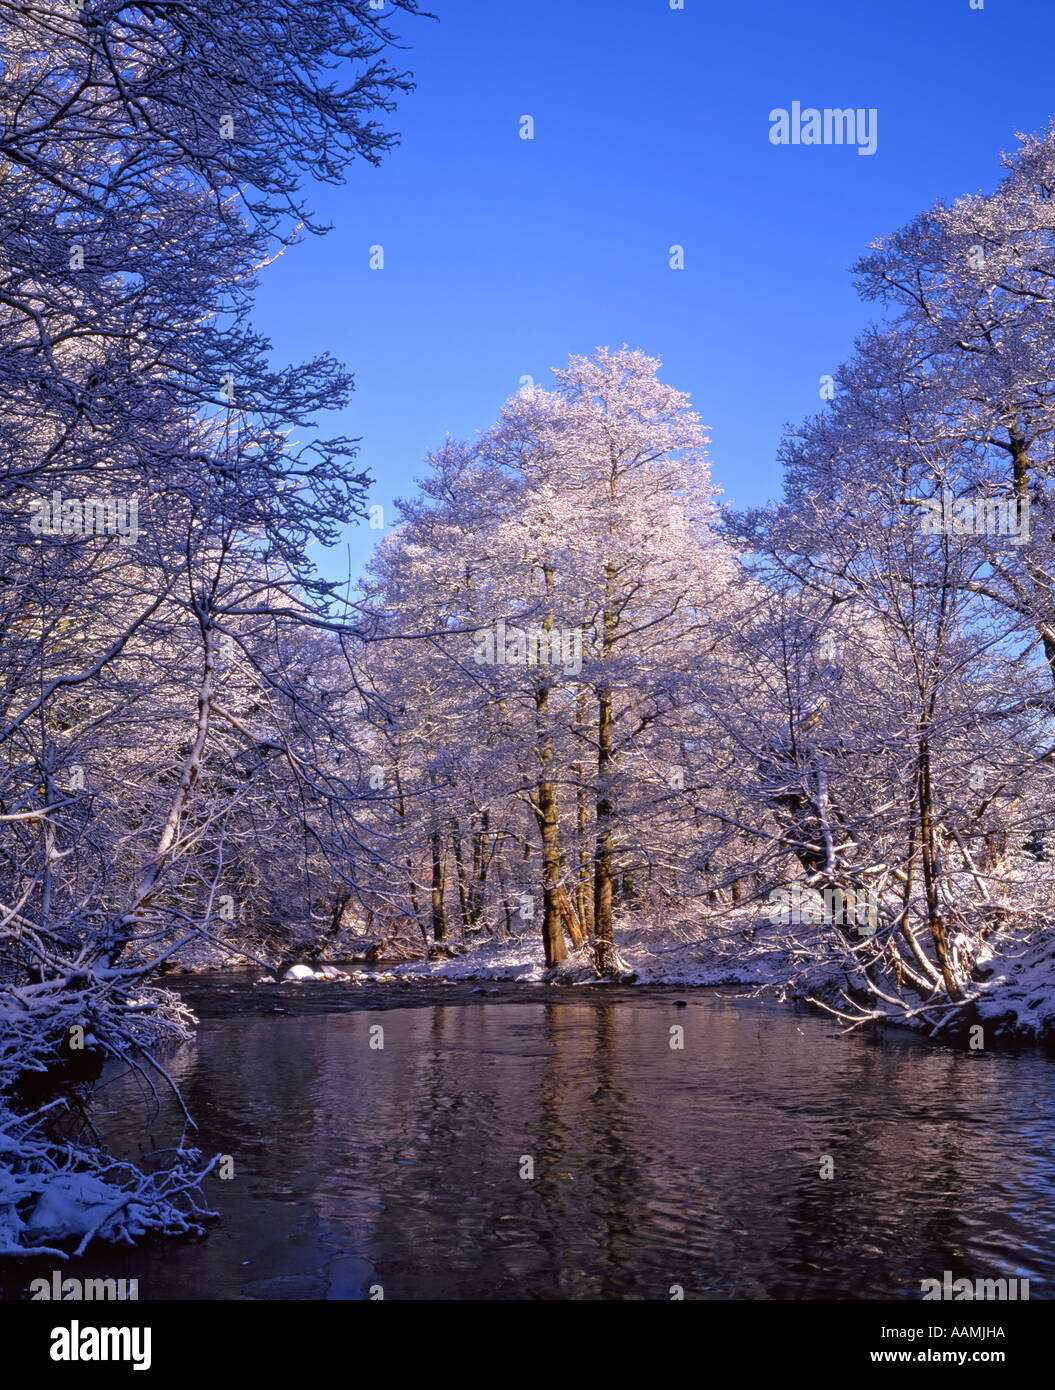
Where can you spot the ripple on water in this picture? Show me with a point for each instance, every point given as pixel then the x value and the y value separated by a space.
pixel 402 1167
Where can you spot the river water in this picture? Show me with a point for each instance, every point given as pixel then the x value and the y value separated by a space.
pixel 406 1167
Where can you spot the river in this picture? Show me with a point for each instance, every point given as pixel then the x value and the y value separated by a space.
pixel 545 1142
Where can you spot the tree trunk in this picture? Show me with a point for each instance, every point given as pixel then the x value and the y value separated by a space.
pixel 572 923
pixel 931 862
pixel 583 889
pixel 463 901
pixel 412 886
pixel 479 879
pixel 439 906
pixel 337 916
pixel 504 895
pixel 605 811
pixel 628 887
pixel 548 818
pixel 604 938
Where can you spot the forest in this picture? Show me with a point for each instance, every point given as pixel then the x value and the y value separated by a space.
pixel 578 714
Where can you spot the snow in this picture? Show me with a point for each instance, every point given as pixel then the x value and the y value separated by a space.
pixel 1016 1000
pixel 297 974
pixel 46 1209
pixel 72 1204
pixel 654 957
pixel 1019 995
pixel 58 1195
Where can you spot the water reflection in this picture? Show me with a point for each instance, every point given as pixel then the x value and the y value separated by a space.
pixel 401 1168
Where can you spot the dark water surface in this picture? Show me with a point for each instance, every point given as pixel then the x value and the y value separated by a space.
pixel 400 1167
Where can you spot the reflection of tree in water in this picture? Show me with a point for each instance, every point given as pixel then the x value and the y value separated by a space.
pixel 252 1086
pixel 456 1218
pixel 590 1185
pixel 652 1166
pixel 655 1167
pixel 244 1081
pixel 264 1080
pixel 917 1181
pixel 445 1180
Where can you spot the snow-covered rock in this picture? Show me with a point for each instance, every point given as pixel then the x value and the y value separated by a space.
pixel 298 972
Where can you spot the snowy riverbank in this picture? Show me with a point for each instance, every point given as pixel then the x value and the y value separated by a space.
pixel 1012 993
pixel 1015 1000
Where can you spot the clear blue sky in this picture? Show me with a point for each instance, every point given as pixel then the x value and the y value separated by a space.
pixel 503 255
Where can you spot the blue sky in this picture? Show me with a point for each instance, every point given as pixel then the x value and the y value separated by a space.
pixel 504 255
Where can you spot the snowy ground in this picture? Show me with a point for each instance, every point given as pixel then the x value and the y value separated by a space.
pixel 653 959
pixel 1015 1000
pixel 1019 996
